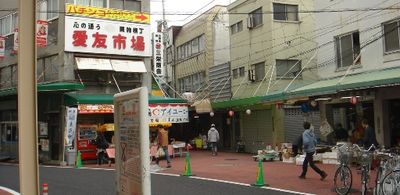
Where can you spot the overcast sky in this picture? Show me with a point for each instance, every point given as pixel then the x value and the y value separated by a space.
pixel 175 8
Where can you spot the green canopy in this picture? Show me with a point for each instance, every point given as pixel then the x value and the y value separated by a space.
pixel 43 87
pixel 76 98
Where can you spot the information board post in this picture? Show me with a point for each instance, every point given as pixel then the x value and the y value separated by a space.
pixel 132 158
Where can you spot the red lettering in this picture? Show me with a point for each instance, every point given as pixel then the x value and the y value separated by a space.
pixel 80 38
pixel 119 41
pixel 138 43
pixel 99 40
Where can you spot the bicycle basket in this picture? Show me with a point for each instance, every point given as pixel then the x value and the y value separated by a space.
pixel 344 154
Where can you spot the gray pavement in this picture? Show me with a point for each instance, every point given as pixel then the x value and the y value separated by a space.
pixel 66 181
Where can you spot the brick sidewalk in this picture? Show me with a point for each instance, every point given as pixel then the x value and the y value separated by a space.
pixel 239 167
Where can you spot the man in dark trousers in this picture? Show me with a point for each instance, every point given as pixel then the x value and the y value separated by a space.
pixel 309 142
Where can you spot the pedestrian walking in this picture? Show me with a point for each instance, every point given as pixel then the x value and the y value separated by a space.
pixel 309 142
pixel 163 143
pixel 213 138
pixel 101 146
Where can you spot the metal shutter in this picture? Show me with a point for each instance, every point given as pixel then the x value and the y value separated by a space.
pixel 293 123
pixel 257 129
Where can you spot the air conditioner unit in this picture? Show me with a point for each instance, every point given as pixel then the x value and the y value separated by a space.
pixel 252 75
pixel 250 22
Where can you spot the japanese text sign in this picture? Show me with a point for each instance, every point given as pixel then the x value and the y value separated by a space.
pixel 107 13
pixel 158 54
pixel 42 29
pixel 2 46
pixel 70 119
pixel 95 108
pixel 107 37
pixel 172 113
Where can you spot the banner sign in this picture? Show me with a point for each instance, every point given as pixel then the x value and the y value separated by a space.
pixel 2 47
pixel 158 57
pixel 108 37
pixel 95 108
pixel 70 119
pixel 132 158
pixel 42 29
pixel 107 13
pixel 172 113
pixel 16 41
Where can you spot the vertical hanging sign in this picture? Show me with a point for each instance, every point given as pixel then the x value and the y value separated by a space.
pixel 70 119
pixel 42 28
pixel 158 58
pixel 2 47
pixel 16 41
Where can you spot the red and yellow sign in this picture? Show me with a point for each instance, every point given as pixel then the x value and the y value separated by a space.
pixel 107 13
pixel 95 108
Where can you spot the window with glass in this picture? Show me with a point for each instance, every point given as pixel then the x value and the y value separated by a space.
pixel 256 17
pixel 241 71
pixel 235 28
pixel 392 36
pixel 288 68
pixel 347 49
pixel 92 3
pixel 6 25
pixel 235 73
pixel 259 71
pixel 286 12
pixel 190 48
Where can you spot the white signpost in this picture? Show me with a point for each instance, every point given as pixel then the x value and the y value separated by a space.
pixel 132 142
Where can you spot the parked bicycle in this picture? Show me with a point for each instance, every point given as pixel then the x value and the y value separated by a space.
pixel 365 160
pixel 384 168
pixel 390 184
pixel 343 178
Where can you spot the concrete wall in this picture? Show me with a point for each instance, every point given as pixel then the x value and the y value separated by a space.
pixel 221 38
pixel 270 41
pixel 368 23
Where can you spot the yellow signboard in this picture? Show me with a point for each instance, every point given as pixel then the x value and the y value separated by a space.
pixel 107 13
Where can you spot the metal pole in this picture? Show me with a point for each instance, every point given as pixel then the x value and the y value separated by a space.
pixel 27 103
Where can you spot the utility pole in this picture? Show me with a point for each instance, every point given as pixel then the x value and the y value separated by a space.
pixel 27 99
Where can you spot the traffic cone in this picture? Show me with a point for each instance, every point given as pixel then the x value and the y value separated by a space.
pixel 45 189
pixel 188 169
pixel 78 160
pixel 260 176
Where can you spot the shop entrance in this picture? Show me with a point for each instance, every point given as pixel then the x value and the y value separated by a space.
pixel 394 122
pixel 9 139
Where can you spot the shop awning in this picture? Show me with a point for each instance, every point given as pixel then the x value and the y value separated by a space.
pixel 237 102
pixel 364 80
pixel 110 65
pixel 75 99
pixel 43 87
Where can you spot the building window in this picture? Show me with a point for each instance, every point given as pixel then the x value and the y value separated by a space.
pixel 347 49
pixel 241 72
pixel 6 25
pixel 286 12
pixel 92 3
pixel 288 68
pixel 191 48
pixel 169 55
pixel 259 71
pixel 191 83
pixel 235 73
pixel 235 28
pixel 47 9
pixel 255 18
pixel 392 36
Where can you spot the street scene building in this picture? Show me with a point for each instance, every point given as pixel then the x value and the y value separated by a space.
pixel 85 55
pixel 254 70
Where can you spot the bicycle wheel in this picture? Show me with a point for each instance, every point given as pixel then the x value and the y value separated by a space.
pixel 391 183
pixel 378 181
pixel 343 180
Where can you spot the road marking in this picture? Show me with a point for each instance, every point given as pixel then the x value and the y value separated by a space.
pixel 9 190
pixel 167 174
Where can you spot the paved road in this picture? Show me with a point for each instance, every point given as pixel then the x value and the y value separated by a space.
pixel 66 181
